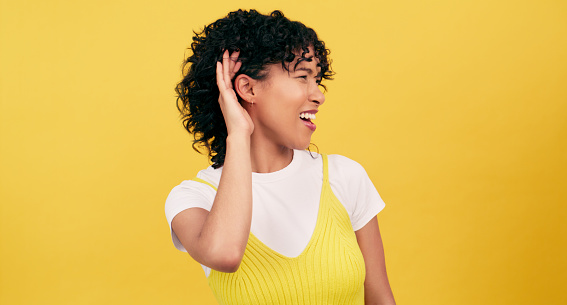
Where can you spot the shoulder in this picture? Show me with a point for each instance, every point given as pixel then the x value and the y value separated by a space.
pixel 340 167
pixel 211 175
pixel 345 167
pixel 186 188
pixel 190 193
pixel 354 189
pixel 344 161
pixel 336 161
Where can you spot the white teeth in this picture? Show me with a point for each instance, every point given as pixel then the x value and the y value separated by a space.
pixel 306 115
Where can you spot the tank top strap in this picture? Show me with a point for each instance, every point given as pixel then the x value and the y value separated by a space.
pixel 205 182
pixel 325 168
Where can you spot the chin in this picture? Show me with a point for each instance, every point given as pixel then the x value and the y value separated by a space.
pixel 300 143
pixel 303 145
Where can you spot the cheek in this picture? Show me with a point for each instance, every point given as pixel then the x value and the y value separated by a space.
pixel 293 94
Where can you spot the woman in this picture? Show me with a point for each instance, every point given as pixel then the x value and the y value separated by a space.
pixel 270 222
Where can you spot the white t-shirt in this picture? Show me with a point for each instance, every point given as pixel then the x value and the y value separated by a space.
pixel 285 203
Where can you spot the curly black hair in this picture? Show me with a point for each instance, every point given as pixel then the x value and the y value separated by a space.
pixel 262 40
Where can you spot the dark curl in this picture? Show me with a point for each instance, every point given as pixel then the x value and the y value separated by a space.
pixel 262 40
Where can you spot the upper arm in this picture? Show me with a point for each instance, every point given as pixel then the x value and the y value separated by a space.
pixel 376 286
pixel 187 211
pixel 186 208
pixel 187 226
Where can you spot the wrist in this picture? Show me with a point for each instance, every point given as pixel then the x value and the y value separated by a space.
pixel 238 139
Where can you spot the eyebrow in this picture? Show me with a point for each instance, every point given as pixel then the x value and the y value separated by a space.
pixel 309 71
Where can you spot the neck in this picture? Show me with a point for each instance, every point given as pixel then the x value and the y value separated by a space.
pixel 268 157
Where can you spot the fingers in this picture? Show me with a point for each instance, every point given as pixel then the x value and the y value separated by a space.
pixel 236 67
pixel 226 68
pixel 219 75
pixel 234 63
pixel 230 65
pixel 220 78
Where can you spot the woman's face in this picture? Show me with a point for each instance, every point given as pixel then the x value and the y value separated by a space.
pixel 285 103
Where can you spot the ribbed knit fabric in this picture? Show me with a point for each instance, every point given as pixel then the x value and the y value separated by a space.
pixel 330 270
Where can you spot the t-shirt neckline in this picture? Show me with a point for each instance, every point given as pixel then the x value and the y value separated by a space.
pixel 283 173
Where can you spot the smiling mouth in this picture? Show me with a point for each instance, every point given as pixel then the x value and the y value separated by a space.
pixel 307 116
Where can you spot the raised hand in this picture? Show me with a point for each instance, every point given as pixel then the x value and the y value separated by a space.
pixel 235 116
pixel 218 238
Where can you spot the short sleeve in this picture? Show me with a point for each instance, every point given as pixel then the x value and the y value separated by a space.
pixel 188 194
pixel 355 190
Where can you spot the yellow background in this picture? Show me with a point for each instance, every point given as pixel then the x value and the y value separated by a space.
pixel 457 110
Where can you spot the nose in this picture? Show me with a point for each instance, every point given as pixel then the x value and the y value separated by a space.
pixel 317 95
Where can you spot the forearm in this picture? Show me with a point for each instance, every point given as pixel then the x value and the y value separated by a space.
pixel 377 289
pixel 227 227
pixel 379 294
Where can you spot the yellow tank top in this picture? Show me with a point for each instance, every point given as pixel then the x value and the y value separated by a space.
pixel 330 270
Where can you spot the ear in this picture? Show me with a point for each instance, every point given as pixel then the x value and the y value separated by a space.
pixel 244 87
